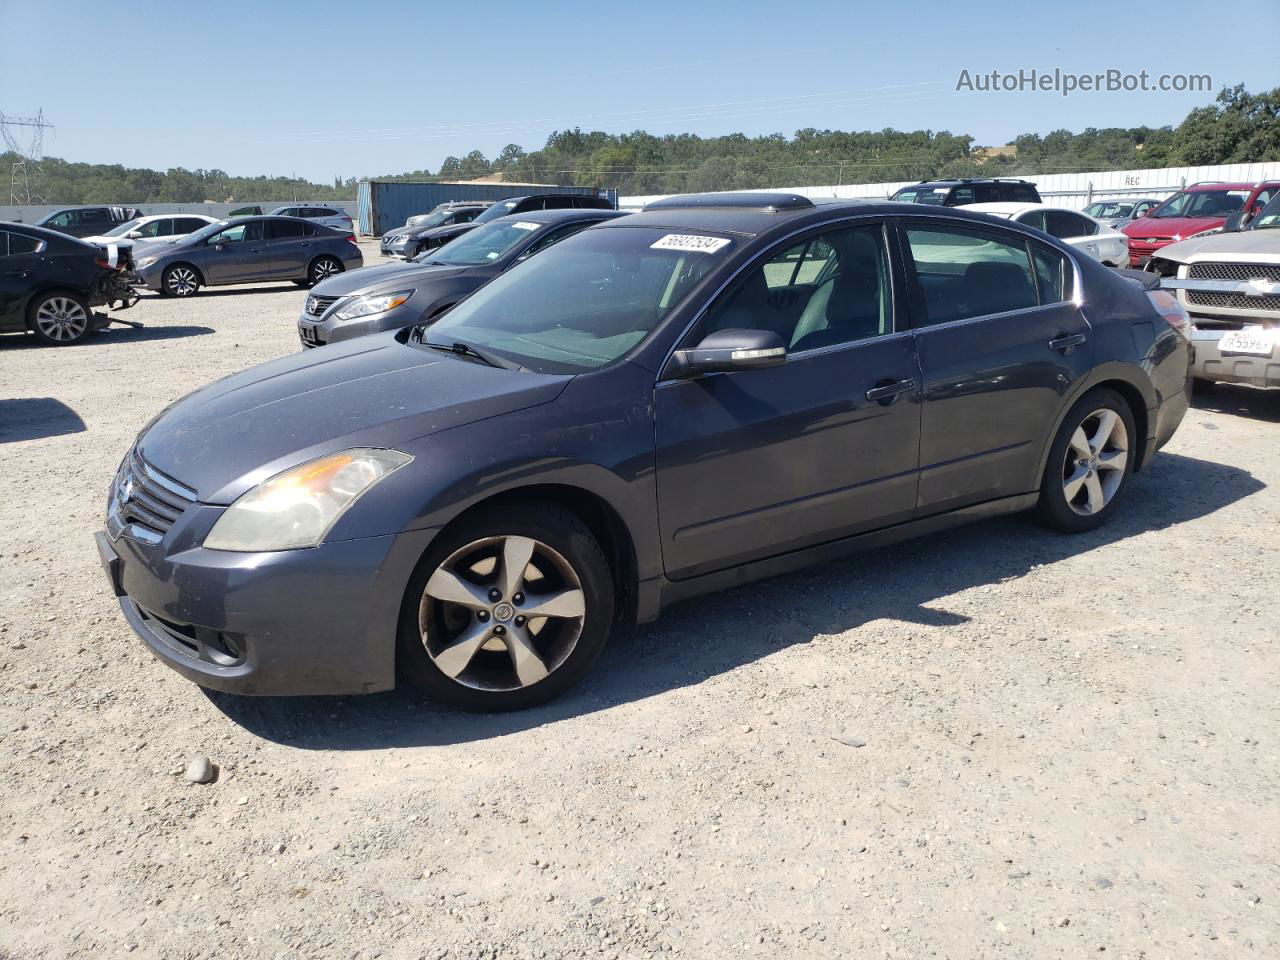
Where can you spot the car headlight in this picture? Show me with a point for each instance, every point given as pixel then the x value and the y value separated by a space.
pixel 298 507
pixel 371 304
pixel 145 262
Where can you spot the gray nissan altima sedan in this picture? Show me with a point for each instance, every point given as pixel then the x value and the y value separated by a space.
pixel 246 250
pixel 715 390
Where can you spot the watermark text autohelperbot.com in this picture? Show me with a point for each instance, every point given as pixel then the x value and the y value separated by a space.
pixel 1057 80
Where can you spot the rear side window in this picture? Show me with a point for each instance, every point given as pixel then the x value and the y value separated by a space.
pixel 1063 224
pixel 1022 193
pixel 963 273
pixel 1032 218
pixel 288 212
pixel 960 196
pixel 188 225
pixel 988 193
pixel 94 215
pixel 15 244
pixel 1054 278
pixel 286 229
pixel 558 203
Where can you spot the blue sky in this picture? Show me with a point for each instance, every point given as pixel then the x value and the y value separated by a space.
pixel 322 89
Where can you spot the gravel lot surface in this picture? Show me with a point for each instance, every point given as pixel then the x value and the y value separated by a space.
pixel 996 742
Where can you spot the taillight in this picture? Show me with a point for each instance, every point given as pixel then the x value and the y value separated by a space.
pixel 351 238
pixel 1167 306
pixel 106 264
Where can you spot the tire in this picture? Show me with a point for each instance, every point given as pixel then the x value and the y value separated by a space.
pixel 1084 479
pixel 463 640
pixel 180 280
pixel 322 268
pixel 60 318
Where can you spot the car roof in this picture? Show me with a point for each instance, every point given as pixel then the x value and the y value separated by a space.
pixel 1013 208
pixel 963 180
pixel 728 213
pixel 41 233
pixel 561 216
pixel 1201 187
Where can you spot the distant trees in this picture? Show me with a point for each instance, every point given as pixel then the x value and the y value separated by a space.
pixel 1237 127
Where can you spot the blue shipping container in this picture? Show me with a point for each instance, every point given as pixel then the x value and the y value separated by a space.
pixel 386 204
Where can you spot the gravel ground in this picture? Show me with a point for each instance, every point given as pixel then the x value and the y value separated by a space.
pixel 996 742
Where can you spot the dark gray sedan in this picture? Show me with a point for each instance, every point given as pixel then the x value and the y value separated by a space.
pixel 246 250
pixel 397 295
pixel 718 389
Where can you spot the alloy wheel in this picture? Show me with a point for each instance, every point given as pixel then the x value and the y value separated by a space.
pixel 501 613
pixel 1094 467
pixel 62 319
pixel 324 269
pixel 183 281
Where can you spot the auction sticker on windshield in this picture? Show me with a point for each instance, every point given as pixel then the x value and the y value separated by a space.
pixel 690 243
pixel 526 225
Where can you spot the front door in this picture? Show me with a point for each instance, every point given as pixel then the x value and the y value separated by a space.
pixel 19 264
pixel 1001 345
pixel 761 462
pixel 237 254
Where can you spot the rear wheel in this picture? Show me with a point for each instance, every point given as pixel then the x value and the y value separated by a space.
pixel 322 268
pixel 180 280
pixel 60 318
pixel 508 610
pixel 1089 464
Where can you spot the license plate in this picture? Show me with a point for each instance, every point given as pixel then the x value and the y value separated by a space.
pixel 1258 341
pixel 309 334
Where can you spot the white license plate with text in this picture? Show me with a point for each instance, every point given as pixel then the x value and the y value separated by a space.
pixel 1258 341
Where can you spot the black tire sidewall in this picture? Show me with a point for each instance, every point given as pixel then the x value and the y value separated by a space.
pixel 66 295
pixel 564 533
pixel 168 291
pixel 1053 509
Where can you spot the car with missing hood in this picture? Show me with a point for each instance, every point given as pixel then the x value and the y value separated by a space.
pixel 424 240
pixel 1201 208
pixel 717 389
pixel 246 250
pixel 1229 282
pixel 390 296
pixel 405 242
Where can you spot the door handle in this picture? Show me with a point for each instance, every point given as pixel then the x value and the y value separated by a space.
pixel 889 391
pixel 20 274
pixel 1067 341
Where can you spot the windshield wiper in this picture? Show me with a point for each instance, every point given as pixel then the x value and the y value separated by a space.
pixel 466 350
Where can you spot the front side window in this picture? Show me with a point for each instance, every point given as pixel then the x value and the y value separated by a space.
pixel 963 273
pixel 934 196
pixel 960 196
pixel 62 219
pixel 156 228
pixel 829 290
pixel 583 303
pixel 555 236
pixel 240 233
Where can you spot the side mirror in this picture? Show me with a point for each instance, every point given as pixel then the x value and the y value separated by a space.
pixel 729 350
pixel 134 234
pixel 1233 222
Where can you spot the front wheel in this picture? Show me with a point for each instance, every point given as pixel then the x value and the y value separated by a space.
pixel 1090 463
pixel 508 610
pixel 322 268
pixel 60 318
pixel 180 280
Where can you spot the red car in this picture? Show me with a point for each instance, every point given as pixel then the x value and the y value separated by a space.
pixel 1199 207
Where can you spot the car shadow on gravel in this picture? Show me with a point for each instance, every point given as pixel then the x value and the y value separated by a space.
pixel 712 635
pixel 31 418
pixel 1251 402
pixel 116 333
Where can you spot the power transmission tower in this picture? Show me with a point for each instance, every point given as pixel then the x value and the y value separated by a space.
pixel 24 175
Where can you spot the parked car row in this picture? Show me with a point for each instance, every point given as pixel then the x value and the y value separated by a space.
pixel 643 408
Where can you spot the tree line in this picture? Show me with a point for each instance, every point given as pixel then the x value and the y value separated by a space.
pixel 1237 127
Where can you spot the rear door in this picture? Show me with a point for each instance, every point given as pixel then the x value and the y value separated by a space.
pixel 1001 345
pixel 289 244
pixel 757 463
pixel 237 254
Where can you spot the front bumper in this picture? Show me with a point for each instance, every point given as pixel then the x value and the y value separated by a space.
pixel 317 331
pixel 1211 364
pixel 293 622
pixel 397 247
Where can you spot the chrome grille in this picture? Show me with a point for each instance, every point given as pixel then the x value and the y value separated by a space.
pixel 147 501
pixel 1232 301
pixel 1234 271
pixel 316 306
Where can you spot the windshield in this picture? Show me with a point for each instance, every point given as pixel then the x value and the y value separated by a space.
pixel 1269 218
pixel 499 209
pixel 933 195
pixel 1108 211
pixel 124 228
pixel 482 245
pixel 1202 203
pixel 431 219
pixel 584 302
pixel 205 232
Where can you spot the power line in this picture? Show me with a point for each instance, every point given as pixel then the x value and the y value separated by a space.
pixel 24 174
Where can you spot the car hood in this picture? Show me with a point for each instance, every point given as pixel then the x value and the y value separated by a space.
pixel 1170 226
pixel 399 232
pixel 383 278
pixel 373 391
pixel 1260 245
